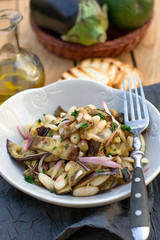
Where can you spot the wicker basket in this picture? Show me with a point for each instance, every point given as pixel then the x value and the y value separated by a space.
pixel 117 43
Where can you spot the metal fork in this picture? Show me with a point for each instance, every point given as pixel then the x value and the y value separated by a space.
pixel 138 121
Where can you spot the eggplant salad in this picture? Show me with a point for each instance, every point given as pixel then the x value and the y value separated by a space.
pixel 83 151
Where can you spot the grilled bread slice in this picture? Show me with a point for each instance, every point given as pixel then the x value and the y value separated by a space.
pixel 108 71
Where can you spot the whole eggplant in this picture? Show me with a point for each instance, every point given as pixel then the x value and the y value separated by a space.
pixel 56 15
pixel 77 21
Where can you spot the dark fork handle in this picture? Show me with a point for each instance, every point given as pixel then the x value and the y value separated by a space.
pixel 140 216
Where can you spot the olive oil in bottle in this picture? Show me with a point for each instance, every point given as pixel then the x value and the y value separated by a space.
pixel 19 68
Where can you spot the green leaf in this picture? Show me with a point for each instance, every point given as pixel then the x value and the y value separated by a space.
pixel 125 128
pixel 65 176
pixel 43 170
pixel 75 113
pixel 101 116
pixel 114 126
pixel 51 191
pixel 84 125
pixel 29 179
pixel 50 134
pixel 67 145
pixel 39 120
pixel 54 148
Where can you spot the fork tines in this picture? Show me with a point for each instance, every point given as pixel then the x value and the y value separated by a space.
pixel 140 110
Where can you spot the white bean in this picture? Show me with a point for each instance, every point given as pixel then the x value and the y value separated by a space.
pixel 61 181
pixel 46 181
pixel 96 120
pixel 142 143
pixel 51 126
pixel 144 160
pixel 99 180
pixel 80 117
pixel 85 191
pixel 69 116
pixel 48 118
pixel 87 117
pixel 130 141
pixel 127 164
pixel 99 127
pixel 69 165
pixel 75 137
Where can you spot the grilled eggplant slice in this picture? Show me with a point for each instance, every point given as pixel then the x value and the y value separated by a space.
pixel 16 152
pixel 60 149
pixel 58 111
pixel 77 172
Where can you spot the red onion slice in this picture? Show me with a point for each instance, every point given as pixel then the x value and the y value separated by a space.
pixel 56 168
pixel 104 161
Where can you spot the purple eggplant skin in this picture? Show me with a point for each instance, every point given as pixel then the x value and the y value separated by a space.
pixel 127 176
pixel 43 131
pixel 29 155
pixel 55 15
pixel 93 147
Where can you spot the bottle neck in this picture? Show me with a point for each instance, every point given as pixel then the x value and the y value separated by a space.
pixel 9 45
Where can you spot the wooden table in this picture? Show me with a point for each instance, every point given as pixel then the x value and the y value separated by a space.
pixel 146 56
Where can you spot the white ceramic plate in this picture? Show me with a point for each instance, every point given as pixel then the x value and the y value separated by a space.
pixel 30 105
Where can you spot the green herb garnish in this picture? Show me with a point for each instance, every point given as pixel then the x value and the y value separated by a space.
pixel 65 176
pixel 124 170
pixel 114 126
pixel 114 149
pixel 50 134
pixel 29 179
pixel 84 125
pixel 43 170
pixel 62 140
pixel 100 115
pixel 39 120
pixel 65 119
pixel 108 154
pixel 44 114
pixel 51 191
pixel 125 128
pixel 99 171
pixel 54 148
pixel 67 145
pixel 75 113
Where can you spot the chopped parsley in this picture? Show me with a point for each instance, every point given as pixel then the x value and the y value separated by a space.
pixel 50 134
pixel 124 170
pixel 75 113
pixel 99 171
pixel 114 149
pixel 100 115
pixel 51 191
pixel 114 126
pixel 108 154
pixel 65 119
pixel 62 140
pixel 54 148
pixel 43 170
pixel 67 145
pixel 29 179
pixel 39 120
pixel 65 176
pixel 84 125
pixel 44 114
pixel 125 128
